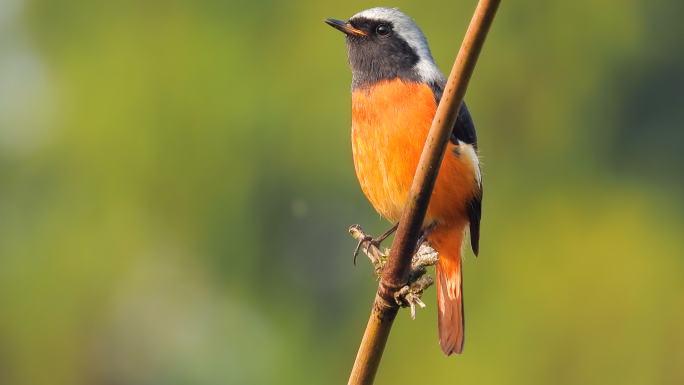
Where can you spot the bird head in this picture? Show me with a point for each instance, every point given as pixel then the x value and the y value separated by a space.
pixel 384 44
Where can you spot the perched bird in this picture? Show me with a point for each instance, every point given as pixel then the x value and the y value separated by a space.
pixel 396 87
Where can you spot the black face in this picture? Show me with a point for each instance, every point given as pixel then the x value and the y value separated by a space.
pixel 379 53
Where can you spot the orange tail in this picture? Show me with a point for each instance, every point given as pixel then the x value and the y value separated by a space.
pixel 451 321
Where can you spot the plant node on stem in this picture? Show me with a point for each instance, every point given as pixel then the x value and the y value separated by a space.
pixel 410 294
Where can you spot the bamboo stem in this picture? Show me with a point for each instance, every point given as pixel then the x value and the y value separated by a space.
pixel 395 274
pixel 373 342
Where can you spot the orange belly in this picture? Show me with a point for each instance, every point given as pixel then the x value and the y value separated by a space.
pixel 390 122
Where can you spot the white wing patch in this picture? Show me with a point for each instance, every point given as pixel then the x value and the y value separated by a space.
pixel 469 153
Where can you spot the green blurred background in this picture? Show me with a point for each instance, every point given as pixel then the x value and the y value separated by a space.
pixel 176 183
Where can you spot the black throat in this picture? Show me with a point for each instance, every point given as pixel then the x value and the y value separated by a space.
pixel 374 58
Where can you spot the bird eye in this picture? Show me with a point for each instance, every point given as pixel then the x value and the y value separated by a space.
pixel 383 29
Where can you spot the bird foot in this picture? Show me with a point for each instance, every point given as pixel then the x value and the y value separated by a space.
pixel 409 295
pixel 369 247
pixel 370 241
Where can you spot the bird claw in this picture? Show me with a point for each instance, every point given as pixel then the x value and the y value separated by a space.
pixel 364 239
pixel 372 242
pixel 371 248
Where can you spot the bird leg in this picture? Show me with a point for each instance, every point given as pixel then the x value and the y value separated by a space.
pixel 409 295
pixel 424 234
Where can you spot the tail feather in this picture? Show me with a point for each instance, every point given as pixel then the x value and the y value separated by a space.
pixel 451 319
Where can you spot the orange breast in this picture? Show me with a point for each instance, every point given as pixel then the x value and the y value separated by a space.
pixel 390 122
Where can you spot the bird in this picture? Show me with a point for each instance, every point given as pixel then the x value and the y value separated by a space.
pixel 396 87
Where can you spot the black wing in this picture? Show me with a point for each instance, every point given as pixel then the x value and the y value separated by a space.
pixel 464 131
pixel 474 215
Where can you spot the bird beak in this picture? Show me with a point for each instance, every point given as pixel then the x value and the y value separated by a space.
pixel 345 27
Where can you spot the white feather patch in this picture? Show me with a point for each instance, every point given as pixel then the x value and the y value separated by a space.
pixel 468 151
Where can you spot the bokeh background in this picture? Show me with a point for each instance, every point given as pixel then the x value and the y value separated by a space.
pixel 176 183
